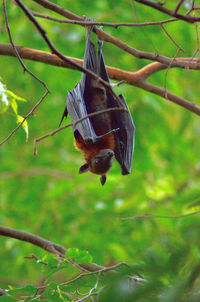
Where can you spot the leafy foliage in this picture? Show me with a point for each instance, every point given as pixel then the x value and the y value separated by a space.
pixel 10 100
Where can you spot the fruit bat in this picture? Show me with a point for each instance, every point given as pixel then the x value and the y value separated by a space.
pixel 103 136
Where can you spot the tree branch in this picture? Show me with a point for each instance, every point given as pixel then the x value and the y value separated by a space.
pixel 108 38
pixel 25 118
pixel 73 125
pixel 35 240
pixel 30 16
pixel 172 13
pixel 25 69
pixel 45 244
pixel 136 78
pixel 89 23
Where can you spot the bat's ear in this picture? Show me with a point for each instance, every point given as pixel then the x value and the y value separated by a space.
pixel 103 179
pixel 84 168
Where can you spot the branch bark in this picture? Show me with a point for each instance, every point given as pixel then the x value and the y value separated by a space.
pixel 136 78
pixel 173 13
pixel 46 245
pixel 108 38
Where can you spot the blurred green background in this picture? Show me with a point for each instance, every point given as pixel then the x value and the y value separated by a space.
pixel 45 195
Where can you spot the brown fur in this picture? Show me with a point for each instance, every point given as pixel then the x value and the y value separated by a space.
pixel 89 150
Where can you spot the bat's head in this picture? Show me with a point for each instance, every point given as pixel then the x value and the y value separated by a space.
pixel 99 164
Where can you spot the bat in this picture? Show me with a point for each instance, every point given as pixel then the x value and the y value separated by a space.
pixel 103 136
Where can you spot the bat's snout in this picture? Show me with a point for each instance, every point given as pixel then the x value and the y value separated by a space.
pixel 102 162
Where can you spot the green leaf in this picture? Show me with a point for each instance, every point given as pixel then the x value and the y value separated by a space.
pixel 14 105
pixel 14 96
pixel 72 253
pixel 84 258
pixel 24 125
pixel 81 257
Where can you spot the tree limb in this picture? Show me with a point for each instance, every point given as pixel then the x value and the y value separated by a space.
pixel 25 118
pixel 136 78
pixel 115 25
pixel 45 244
pixel 43 33
pixel 172 13
pixel 108 38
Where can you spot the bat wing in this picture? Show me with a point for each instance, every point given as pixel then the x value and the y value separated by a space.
pixel 76 101
pixel 122 120
pixel 124 137
pixel 76 107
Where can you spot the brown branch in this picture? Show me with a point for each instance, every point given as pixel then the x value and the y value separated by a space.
pixel 178 6
pixel 45 244
pixel 133 78
pixel 161 216
pixel 25 118
pixel 171 38
pixel 170 96
pixel 108 38
pixel 89 23
pixel 35 240
pixel 73 125
pixel 114 73
pixel 30 16
pixel 25 69
pixel 172 13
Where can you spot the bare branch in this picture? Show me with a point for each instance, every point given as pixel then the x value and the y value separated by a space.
pixel 16 51
pixel 103 270
pixel 161 216
pixel 171 38
pixel 89 23
pixel 178 6
pixel 36 240
pixel 172 13
pixel 60 55
pixel 108 38
pixel 133 78
pixel 91 294
pixel 47 245
pixel 25 118
pixel 170 96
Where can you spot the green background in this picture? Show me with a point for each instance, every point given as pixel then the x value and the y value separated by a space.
pixel 45 195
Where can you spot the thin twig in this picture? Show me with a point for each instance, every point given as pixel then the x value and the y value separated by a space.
pixel 108 38
pixel 115 25
pixel 178 6
pixel 29 114
pixel 92 294
pixel 161 216
pixel 74 124
pixel 103 270
pixel 197 34
pixel 25 69
pixel 168 68
pixel 172 38
pixel 161 8
pixel 60 55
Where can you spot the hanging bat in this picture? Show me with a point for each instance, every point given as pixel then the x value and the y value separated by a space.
pixel 103 136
